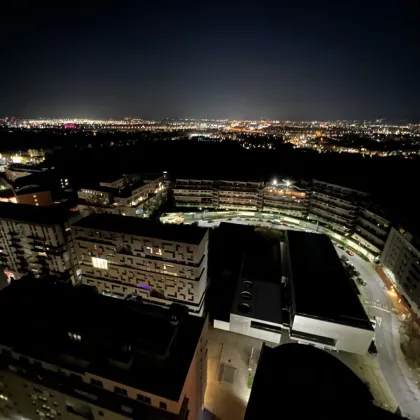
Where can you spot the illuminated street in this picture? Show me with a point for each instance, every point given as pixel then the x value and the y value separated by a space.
pixel 391 359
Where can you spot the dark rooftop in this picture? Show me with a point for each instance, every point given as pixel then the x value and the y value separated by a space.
pixel 38 215
pixel 260 276
pixel 294 381
pixel 142 227
pixel 320 287
pixel 128 342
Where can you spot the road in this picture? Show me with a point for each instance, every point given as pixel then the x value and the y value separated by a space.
pixel 391 360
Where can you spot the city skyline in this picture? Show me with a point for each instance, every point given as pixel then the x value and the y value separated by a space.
pixel 300 61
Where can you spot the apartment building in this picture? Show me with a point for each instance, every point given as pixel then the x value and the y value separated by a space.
pixel 72 353
pixel 334 205
pixel 199 193
pixel 161 263
pixel 131 195
pixel 371 228
pixel 219 194
pixel 285 198
pixel 401 262
pixel 36 239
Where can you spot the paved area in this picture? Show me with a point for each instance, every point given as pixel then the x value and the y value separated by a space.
pixel 230 356
pixel 398 375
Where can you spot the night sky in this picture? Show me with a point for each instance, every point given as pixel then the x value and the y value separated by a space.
pixel 244 59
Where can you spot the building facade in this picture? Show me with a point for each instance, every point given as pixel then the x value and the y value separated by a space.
pixel 36 240
pixel 131 195
pixel 401 262
pixel 163 264
pixel 67 368
pixel 220 194
pixel 334 205
pixel 371 228
pixel 286 198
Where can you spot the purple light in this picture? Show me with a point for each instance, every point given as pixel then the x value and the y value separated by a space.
pixel 143 286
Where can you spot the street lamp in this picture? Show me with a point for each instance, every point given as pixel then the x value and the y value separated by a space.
pixel 274 181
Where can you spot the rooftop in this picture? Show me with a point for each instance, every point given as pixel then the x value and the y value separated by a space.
pixel 141 227
pixel 128 342
pixel 258 289
pixel 320 287
pixel 41 215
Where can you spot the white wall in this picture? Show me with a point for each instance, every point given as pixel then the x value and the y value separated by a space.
pixel 351 339
pixel 242 325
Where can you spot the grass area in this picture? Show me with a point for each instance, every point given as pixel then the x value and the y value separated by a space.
pixel 250 380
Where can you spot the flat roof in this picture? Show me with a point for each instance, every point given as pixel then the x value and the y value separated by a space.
pixel 143 227
pixel 320 287
pixel 38 215
pixel 152 354
pixel 260 276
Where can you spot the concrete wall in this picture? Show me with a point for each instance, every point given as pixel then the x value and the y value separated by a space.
pixel 242 325
pixel 351 339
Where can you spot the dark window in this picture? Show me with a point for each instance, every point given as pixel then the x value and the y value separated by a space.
pixel 120 391
pixel 144 399
pixel 312 337
pixel 265 327
pixel 96 383
pixel 162 405
pixel 100 414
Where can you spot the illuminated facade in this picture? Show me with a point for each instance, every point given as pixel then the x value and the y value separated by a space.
pixel 285 198
pixel 130 195
pixel 163 264
pixel 55 365
pixel 220 194
pixel 334 205
pixel 401 262
pixel 36 240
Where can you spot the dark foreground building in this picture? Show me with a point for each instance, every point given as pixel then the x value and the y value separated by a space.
pixel 70 353
pixel 295 381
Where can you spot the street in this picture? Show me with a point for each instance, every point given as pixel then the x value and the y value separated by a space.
pixel 391 360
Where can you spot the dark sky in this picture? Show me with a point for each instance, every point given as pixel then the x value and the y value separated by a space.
pixel 233 59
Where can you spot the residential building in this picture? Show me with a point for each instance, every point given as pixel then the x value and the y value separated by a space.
pixel 401 262
pixel 18 170
pixel 371 227
pixel 34 195
pixel 73 353
pixel 325 310
pixel 334 205
pixel 219 194
pixel 240 195
pixel 132 195
pixel 199 193
pixel 36 239
pixel 286 198
pixel 161 263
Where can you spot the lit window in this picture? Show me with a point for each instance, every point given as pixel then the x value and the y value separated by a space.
pixel 159 252
pixel 3 397
pixel 100 263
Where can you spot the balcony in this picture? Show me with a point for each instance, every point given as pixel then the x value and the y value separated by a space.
pixel 334 200
pixel 347 217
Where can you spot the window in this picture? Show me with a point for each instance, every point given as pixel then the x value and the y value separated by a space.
pixel 162 405
pixel 100 413
pixel 100 263
pixel 144 399
pixel 312 337
pixel 265 327
pixel 120 391
pixel 96 383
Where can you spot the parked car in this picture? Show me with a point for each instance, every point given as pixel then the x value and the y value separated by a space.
pixel 351 253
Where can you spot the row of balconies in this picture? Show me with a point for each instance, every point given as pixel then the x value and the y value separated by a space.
pixel 346 215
